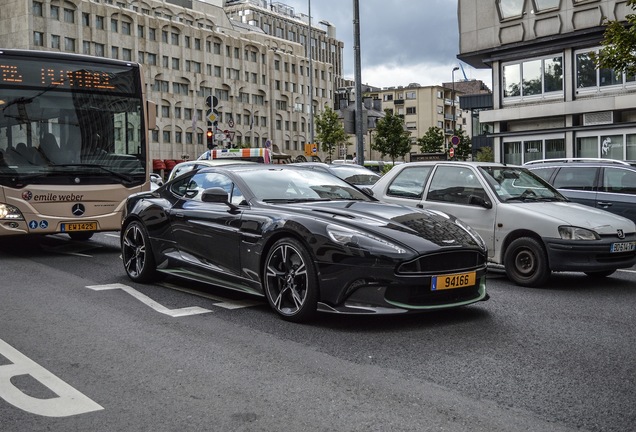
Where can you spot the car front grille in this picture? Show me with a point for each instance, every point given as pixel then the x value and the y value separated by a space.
pixel 443 262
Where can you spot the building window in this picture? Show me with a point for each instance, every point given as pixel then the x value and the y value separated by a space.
pixel 411 110
pixel 38 38
pixel 99 50
pixel 114 52
pixel 125 28
pixel 86 47
pixel 617 146
pixel 519 152
pixel 69 44
pixel 37 8
pixel 152 34
pixel 546 5
pixel 99 22
pixel 217 48
pixel 55 41
pixel 509 9
pixel 410 95
pixel 114 25
pixel 55 12
pixel 140 31
pixel 589 79
pixel 174 38
pixel 166 136
pixel 152 59
pixel 126 54
pixel 69 15
pixel 533 79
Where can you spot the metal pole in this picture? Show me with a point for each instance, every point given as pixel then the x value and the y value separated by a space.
pixel 311 81
pixel 453 96
pixel 358 78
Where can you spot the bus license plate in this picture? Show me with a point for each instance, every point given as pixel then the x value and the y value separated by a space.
pixel 452 281
pixel 623 247
pixel 79 226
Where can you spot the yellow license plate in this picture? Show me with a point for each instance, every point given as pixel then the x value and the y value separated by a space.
pixel 79 226
pixel 452 281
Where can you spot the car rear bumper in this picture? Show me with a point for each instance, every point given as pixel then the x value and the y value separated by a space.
pixel 588 256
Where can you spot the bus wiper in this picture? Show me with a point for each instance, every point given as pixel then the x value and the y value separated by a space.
pixel 109 171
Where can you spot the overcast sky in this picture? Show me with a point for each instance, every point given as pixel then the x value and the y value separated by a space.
pixel 401 41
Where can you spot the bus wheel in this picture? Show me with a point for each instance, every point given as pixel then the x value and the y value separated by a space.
pixel 136 253
pixel 81 236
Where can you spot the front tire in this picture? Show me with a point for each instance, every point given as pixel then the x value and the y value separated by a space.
pixel 526 262
pixel 290 281
pixel 136 253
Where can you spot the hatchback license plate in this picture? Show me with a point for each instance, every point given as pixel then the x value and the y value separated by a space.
pixel 623 247
pixel 79 226
pixel 458 280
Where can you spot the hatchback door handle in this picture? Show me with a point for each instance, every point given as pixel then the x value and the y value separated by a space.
pixel 604 204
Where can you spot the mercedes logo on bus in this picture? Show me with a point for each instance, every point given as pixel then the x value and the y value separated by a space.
pixel 78 209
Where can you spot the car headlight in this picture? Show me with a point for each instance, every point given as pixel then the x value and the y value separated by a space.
pixel 575 233
pixel 362 240
pixel 9 212
pixel 474 234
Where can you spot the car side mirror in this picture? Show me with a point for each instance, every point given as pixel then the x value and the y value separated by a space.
pixel 217 195
pixel 367 191
pixel 479 201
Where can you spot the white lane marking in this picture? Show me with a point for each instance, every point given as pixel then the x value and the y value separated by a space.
pixel 68 402
pixel 223 302
pixel 194 310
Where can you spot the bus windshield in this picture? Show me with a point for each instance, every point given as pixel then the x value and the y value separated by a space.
pixel 70 120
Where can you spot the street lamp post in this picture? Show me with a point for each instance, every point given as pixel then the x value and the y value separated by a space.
pixel 311 81
pixel 453 96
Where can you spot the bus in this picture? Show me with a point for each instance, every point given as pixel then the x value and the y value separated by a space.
pixel 73 142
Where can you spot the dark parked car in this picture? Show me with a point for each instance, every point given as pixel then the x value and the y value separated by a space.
pixel 602 183
pixel 306 240
pixel 356 175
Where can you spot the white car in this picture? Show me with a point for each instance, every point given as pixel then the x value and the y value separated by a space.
pixel 184 167
pixel 528 226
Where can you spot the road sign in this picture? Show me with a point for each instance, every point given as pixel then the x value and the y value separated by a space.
pixel 211 101
pixel 455 140
pixel 212 115
pixel 451 152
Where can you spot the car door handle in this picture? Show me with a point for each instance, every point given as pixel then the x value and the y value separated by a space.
pixel 604 204
pixel 419 206
pixel 179 215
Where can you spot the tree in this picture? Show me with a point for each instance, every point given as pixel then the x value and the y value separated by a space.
pixel 464 148
pixel 432 141
pixel 390 137
pixel 618 50
pixel 485 154
pixel 330 130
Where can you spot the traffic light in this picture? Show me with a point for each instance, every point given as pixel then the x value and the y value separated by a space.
pixel 210 137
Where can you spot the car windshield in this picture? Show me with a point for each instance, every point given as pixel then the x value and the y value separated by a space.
pixel 518 184
pixel 298 185
pixel 355 175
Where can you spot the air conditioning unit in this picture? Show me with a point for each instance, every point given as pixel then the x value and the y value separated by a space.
pixel 598 118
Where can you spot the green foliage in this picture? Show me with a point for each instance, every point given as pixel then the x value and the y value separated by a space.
pixel 390 137
pixel 464 148
pixel 330 130
pixel 485 154
pixel 618 50
pixel 432 141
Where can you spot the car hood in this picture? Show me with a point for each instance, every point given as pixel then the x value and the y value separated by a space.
pixel 579 215
pixel 410 226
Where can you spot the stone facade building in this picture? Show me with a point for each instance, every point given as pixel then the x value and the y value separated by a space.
pixel 189 50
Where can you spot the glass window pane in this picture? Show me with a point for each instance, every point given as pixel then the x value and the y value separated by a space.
pixel 576 178
pixel 512 80
pixel 587 147
pixel 510 8
pixel 532 78
pixel 542 5
pixel 631 147
pixel 533 150
pixel 555 148
pixel 610 77
pixel 585 71
pixel 512 153
pixel 553 74
pixel 612 147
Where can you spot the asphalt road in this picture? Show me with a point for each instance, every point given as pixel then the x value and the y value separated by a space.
pixel 82 348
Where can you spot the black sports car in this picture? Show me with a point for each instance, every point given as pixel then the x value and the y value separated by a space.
pixel 306 240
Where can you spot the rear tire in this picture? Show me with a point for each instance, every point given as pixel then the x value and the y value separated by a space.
pixel 290 281
pixel 136 252
pixel 600 274
pixel 526 262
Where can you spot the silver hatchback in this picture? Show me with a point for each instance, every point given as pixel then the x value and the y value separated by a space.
pixel 528 226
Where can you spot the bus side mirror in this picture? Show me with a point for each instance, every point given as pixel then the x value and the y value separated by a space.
pixel 151 112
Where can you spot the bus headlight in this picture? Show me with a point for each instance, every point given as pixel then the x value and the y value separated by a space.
pixel 9 212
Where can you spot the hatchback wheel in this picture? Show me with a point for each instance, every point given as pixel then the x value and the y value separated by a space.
pixel 526 262
pixel 136 253
pixel 289 281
